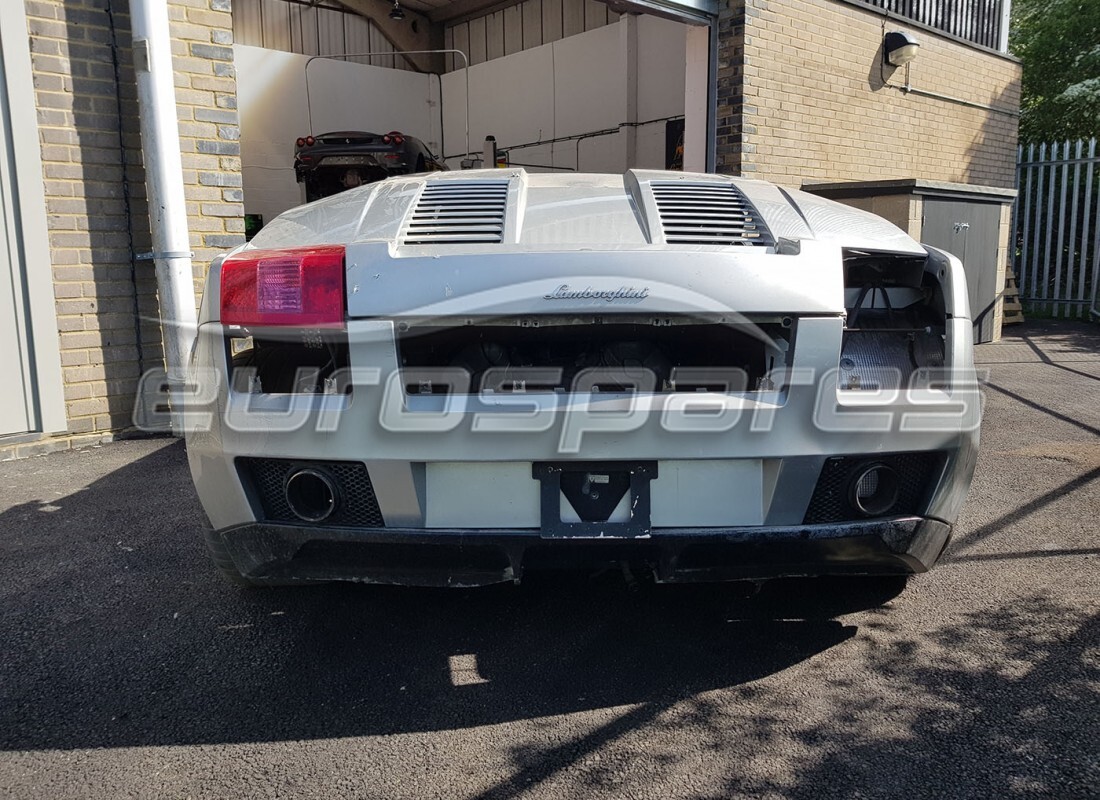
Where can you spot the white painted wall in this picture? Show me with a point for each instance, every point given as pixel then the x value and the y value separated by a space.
pixel 573 86
pixel 271 98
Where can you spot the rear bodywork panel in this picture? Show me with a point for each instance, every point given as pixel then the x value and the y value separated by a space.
pixel 710 376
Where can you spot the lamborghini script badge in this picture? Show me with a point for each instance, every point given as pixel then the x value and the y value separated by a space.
pixel 567 292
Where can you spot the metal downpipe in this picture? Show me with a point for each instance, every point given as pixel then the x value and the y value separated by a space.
pixel 160 146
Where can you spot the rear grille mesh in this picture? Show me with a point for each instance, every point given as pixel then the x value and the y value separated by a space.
pixel 458 212
pixel 708 213
pixel 357 507
pixel 916 472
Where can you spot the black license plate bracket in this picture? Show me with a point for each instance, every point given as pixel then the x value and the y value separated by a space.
pixel 636 474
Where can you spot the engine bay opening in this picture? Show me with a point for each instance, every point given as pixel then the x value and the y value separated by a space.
pixel 592 355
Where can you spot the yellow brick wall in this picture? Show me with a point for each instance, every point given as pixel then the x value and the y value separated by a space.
pixel 206 96
pixel 814 107
pixel 80 103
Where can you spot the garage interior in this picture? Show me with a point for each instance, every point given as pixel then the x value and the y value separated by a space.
pixel 562 85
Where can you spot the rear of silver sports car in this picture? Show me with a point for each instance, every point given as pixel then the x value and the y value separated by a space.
pixel 459 378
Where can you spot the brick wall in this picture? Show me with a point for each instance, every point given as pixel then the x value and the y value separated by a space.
pixel 813 105
pixel 729 113
pixel 95 191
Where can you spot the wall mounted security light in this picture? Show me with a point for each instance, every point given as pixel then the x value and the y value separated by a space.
pixel 899 48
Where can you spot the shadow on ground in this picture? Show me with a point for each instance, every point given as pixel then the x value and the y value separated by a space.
pixel 1056 337
pixel 118 633
pixel 1004 710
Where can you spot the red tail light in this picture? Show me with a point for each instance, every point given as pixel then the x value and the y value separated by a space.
pixel 386 139
pixel 301 286
pixel 310 141
pixel 299 141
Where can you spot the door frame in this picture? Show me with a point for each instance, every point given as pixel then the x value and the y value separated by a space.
pixel 46 398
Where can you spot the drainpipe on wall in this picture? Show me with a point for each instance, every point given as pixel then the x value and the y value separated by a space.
pixel 160 144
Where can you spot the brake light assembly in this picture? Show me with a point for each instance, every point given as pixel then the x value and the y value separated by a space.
pixel 295 287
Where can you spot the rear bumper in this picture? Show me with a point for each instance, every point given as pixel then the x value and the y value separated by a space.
pixel 465 557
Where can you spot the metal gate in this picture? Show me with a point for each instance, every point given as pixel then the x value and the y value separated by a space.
pixel 1057 228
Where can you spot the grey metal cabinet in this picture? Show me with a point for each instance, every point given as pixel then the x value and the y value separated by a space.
pixel 969 230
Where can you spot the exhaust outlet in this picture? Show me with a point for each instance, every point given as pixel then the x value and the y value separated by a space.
pixel 874 489
pixel 311 495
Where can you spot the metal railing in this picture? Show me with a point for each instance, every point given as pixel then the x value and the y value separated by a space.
pixel 1057 228
pixel 983 22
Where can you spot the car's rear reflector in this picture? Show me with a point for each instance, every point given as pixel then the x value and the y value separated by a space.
pixel 301 286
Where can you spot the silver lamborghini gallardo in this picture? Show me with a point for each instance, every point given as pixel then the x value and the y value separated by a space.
pixel 452 379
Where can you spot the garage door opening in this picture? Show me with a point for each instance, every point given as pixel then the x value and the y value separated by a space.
pixel 561 85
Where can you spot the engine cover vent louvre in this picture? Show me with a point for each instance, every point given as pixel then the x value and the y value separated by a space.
pixel 458 212
pixel 709 213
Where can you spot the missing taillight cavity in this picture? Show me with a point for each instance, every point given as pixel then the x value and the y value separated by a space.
pixel 882 269
pixel 610 357
pixel 889 290
pixel 299 286
pixel 895 322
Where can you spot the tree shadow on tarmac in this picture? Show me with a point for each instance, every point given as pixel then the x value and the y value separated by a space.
pixel 1002 704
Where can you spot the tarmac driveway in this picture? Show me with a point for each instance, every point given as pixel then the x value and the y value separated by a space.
pixel 130 670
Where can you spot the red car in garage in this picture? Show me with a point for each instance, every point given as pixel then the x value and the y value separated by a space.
pixel 330 163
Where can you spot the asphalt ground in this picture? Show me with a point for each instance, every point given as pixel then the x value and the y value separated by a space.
pixel 129 669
